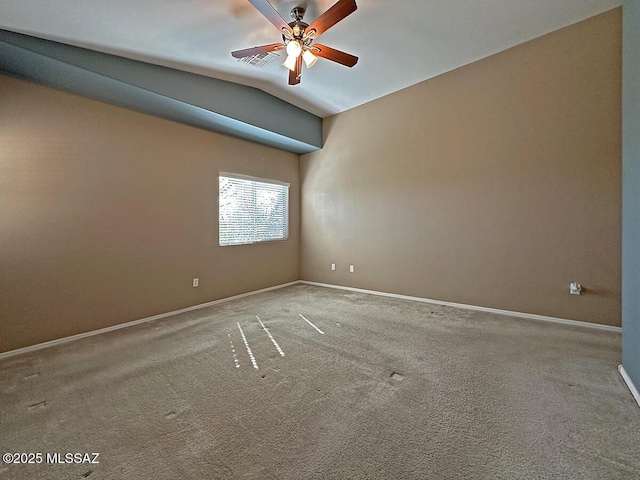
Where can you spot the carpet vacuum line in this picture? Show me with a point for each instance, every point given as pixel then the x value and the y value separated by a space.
pixel 273 340
pixel 311 324
pixel 233 351
pixel 246 344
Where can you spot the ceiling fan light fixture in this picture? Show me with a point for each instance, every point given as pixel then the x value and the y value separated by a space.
pixel 294 48
pixel 309 58
pixel 290 62
pixel 297 37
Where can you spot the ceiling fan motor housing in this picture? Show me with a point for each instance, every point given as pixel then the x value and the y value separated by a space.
pixel 298 27
pixel 297 13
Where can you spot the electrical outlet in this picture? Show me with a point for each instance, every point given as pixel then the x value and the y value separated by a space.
pixel 333 266
pixel 195 282
pixel 575 288
pixel 351 268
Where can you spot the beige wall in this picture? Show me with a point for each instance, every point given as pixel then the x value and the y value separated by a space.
pixel 496 184
pixel 106 215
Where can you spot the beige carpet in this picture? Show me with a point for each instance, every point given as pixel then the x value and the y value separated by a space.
pixel 391 389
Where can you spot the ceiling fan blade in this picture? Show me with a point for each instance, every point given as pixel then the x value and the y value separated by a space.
pixel 294 76
pixel 334 55
pixel 247 52
pixel 340 10
pixel 266 9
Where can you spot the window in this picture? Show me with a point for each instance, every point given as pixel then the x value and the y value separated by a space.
pixel 252 209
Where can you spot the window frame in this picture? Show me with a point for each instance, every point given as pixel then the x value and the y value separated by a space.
pixel 268 181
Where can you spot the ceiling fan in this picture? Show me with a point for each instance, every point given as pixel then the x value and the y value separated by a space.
pixel 298 37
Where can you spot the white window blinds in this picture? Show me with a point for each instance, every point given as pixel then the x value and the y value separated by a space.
pixel 252 209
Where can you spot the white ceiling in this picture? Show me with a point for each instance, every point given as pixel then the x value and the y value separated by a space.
pixel 399 42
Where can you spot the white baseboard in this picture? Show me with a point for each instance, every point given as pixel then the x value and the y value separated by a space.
pixel 59 341
pixel 509 313
pixel 627 379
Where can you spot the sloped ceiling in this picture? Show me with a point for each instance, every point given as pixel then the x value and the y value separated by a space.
pixel 399 43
